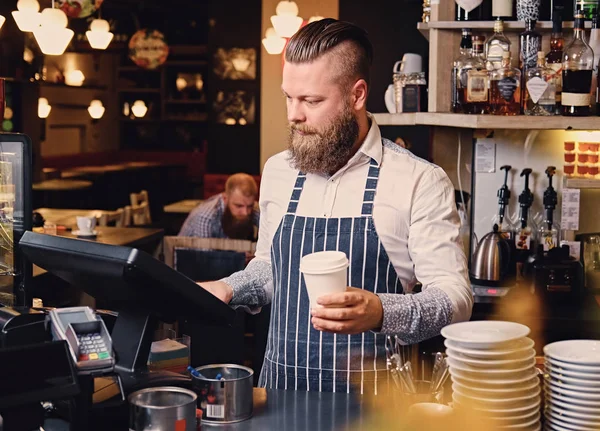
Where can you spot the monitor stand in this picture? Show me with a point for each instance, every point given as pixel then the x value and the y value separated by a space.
pixel 132 338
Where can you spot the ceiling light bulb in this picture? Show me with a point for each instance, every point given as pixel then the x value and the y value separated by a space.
pixel 273 43
pixel 99 35
pixel 43 107
pixel 96 110
pixel 139 108
pixel 74 78
pixel 27 15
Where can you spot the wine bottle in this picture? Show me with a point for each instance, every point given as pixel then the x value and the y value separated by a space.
pixel 578 65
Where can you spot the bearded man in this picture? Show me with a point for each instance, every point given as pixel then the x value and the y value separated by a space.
pixel 340 186
pixel 231 214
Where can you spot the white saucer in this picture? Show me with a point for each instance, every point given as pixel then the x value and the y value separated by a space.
pixel 577 415
pixel 568 421
pixel 479 334
pixel 85 235
pixel 572 373
pixel 592 369
pixel 507 410
pixel 516 381
pixel 510 377
pixel 458 364
pixel 564 378
pixel 579 394
pixel 518 419
pixel 518 400
pixel 494 395
pixel 594 404
pixel 516 362
pixel 582 352
pixel 553 382
pixel 508 352
pixel 483 388
pixel 573 407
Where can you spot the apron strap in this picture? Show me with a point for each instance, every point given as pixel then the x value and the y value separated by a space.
pixel 368 196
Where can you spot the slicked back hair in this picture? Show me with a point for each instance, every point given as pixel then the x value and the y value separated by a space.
pixel 355 52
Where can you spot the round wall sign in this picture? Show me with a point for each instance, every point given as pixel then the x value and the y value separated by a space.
pixel 148 49
pixel 79 8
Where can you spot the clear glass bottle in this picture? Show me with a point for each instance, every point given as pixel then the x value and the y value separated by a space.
pixel 505 89
pixel 474 97
pixel 554 58
pixel 530 43
pixel 578 64
pixel 466 47
pixel 540 92
pixel 496 46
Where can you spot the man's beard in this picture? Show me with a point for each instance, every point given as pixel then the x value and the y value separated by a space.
pixel 326 151
pixel 237 229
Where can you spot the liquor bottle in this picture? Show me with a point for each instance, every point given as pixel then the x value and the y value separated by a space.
pixel 595 45
pixel 483 12
pixel 587 7
pixel 555 56
pixel 496 46
pixel 502 9
pixel 475 95
pixel 530 43
pixel 539 89
pixel 466 46
pixel 578 62
pixel 505 89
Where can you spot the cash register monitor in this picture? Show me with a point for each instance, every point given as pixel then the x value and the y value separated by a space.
pixel 141 288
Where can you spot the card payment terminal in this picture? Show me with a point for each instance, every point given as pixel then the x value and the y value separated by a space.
pixel 89 341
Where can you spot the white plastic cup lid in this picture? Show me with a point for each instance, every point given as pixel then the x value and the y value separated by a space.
pixel 323 261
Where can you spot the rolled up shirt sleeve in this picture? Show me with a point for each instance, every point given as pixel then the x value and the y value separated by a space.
pixel 439 264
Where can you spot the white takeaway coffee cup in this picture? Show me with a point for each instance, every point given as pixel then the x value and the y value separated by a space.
pixel 86 225
pixel 324 272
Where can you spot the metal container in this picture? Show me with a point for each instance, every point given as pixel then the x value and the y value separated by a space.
pixel 165 408
pixel 224 392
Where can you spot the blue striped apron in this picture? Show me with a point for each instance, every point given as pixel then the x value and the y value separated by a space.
pixel 298 356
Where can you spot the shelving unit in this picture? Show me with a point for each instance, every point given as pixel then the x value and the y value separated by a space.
pixel 581 183
pixel 466 121
pixel 487 26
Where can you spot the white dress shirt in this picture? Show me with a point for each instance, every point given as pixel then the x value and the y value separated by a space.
pixel 415 217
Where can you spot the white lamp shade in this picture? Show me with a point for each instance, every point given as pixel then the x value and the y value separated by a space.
pixel 315 18
pixel 180 83
pixel 96 110
pixel 27 15
pixel 74 78
pixel 99 35
pixel 286 25
pixel 273 44
pixel 2 19
pixel 240 64
pixel 52 35
pixel 286 7
pixel 43 107
pixel 139 108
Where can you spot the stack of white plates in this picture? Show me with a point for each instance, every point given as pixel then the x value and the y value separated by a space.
pixel 492 366
pixel 572 385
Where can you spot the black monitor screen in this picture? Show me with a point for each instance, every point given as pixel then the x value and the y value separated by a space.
pixel 128 278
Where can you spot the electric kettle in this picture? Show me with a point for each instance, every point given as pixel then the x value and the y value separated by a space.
pixel 492 257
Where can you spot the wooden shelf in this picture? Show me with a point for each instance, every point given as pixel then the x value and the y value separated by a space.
pixel 75 87
pixel 185 102
pixel 581 183
pixel 487 26
pixel 520 122
pixel 186 63
pixel 138 90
